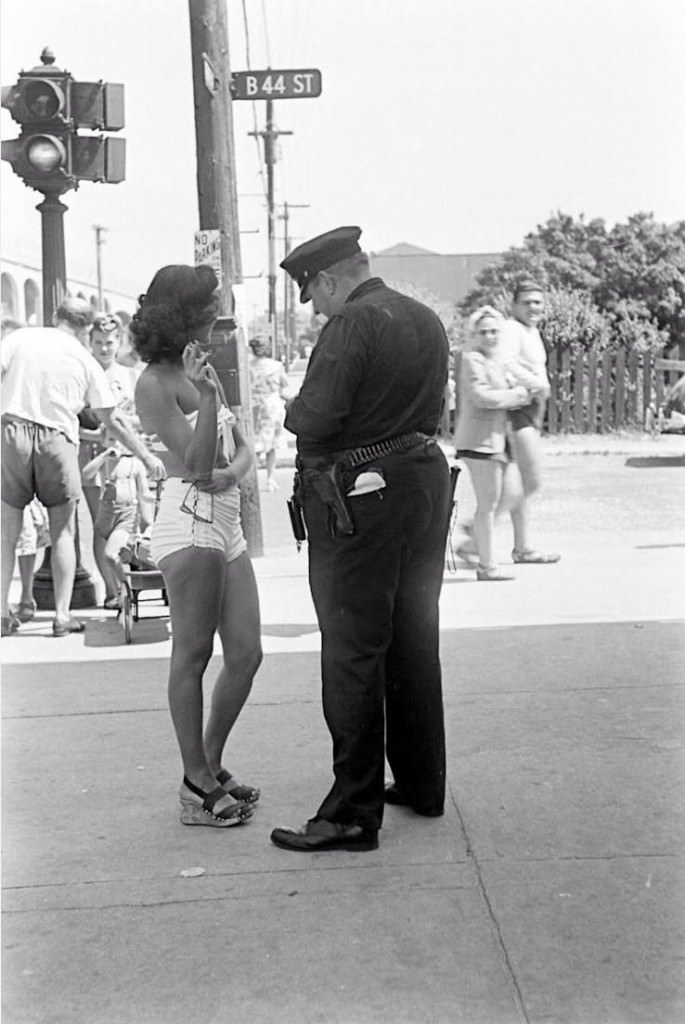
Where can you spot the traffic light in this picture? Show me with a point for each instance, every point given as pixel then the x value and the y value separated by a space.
pixel 39 102
pixel 98 106
pixel 50 106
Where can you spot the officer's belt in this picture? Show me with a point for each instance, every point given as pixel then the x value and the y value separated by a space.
pixel 352 458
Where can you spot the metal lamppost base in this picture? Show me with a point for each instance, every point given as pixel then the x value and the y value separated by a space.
pixel 83 595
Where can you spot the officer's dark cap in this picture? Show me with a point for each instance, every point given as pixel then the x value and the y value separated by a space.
pixel 308 259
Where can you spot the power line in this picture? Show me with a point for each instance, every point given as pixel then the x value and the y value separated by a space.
pixel 247 35
pixel 253 104
pixel 266 34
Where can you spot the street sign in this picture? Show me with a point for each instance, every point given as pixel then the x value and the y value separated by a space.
pixel 276 85
pixel 208 249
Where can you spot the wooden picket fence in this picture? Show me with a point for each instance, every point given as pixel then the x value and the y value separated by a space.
pixel 597 392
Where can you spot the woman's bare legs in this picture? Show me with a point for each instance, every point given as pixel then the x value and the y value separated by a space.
pixel 240 634
pixel 195 581
pixel 486 476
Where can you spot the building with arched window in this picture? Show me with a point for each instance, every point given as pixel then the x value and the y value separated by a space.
pixel 22 293
pixel 9 294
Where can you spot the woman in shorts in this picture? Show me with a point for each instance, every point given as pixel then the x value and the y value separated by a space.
pixel 485 395
pixel 197 538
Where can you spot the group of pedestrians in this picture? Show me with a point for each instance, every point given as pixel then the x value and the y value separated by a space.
pixel 372 495
pixel 503 389
pixel 49 377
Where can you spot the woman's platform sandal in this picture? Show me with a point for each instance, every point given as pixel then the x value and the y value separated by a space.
pixel 198 807
pixel 245 794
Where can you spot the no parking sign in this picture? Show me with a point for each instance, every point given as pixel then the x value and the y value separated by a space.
pixel 208 249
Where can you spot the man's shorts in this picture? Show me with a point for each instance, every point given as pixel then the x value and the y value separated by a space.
pixel 37 461
pixel 528 415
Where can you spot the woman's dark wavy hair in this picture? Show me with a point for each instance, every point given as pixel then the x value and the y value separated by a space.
pixel 179 300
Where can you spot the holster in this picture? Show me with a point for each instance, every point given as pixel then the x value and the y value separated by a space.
pixel 295 506
pixel 327 483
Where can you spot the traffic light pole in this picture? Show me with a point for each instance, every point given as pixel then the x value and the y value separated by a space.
pixel 54 261
pixel 54 289
pixel 51 157
pixel 218 206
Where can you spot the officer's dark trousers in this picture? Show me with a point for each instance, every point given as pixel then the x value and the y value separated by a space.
pixel 376 597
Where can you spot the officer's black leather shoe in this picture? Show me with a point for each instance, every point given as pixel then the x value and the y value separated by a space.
pixel 318 834
pixel 394 795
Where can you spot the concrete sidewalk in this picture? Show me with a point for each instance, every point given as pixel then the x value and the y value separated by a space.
pixel 550 892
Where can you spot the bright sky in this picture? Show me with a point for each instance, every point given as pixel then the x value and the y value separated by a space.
pixel 455 125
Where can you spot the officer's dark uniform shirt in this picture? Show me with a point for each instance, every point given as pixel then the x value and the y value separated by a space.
pixel 378 370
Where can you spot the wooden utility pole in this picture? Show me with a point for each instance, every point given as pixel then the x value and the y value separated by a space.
pixel 218 205
pixel 270 136
pixel 289 314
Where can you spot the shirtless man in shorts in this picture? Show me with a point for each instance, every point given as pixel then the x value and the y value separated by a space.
pixel 523 355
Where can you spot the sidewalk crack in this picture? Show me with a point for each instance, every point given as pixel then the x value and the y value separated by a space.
pixel 470 853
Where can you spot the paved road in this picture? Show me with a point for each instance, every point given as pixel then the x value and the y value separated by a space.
pixel 552 891
pixel 581 494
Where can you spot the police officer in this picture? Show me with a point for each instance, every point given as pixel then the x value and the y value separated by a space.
pixel 374 488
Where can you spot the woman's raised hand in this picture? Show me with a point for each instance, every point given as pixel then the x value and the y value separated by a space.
pixel 197 368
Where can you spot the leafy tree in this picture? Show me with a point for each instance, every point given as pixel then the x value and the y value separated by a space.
pixel 572 321
pixel 633 276
pixel 632 326
pixel 644 275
